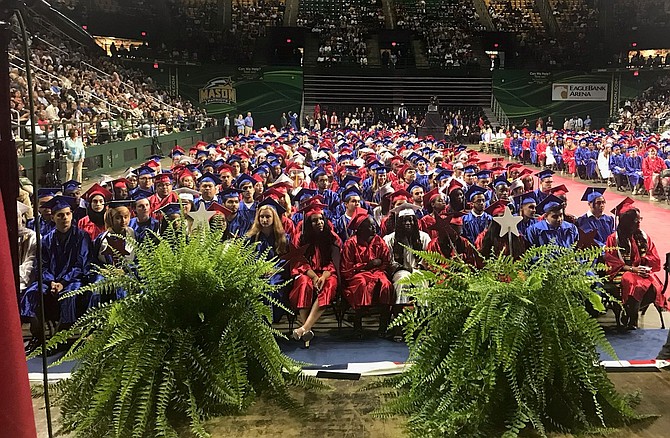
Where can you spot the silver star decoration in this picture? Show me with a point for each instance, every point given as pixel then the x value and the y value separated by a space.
pixel 201 217
pixel 508 222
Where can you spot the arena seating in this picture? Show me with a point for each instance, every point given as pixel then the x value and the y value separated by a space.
pixel 446 26
pixel 104 100
pixel 342 27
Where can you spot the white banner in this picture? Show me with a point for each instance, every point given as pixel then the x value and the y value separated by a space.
pixel 583 92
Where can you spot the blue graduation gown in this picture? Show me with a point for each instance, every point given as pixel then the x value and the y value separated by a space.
pixel 251 209
pixel 473 225
pixel 542 234
pixel 618 164
pixel 45 227
pixel 331 199
pixel 65 259
pixel 141 229
pixel 267 243
pixel 341 227
pixel 240 223
pixel 604 226
pixel 524 225
pixel 634 170
pixel 539 195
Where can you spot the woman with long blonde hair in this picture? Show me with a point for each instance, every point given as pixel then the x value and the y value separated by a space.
pixel 267 233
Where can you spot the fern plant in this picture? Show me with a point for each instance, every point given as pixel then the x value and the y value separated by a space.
pixel 190 340
pixel 505 348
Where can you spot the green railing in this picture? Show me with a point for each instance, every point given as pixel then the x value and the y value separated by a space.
pixel 110 158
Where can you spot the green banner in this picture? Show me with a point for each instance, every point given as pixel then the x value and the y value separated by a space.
pixel 528 95
pixel 266 92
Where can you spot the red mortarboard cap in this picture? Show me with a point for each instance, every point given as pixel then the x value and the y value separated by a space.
pixel 428 198
pixel 225 168
pixel 559 190
pixel 218 208
pixel 120 183
pixel 400 194
pixel 163 177
pixel 454 184
pixel 624 206
pixel 97 189
pixel 360 215
pixel 497 208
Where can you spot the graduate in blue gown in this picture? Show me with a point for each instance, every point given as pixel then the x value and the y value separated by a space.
pixel 634 170
pixel 477 220
pixel 114 247
pixel 323 183
pixel 73 188
pixel 552 229
pixel 546 182
pixel 351 200
pixel 66 253
pixel 617 163
pixel 46 224
pixel 245 184
pixel 268 234
pixel 143 224
pixel 239 222
pixel 527 207
pixel 207 187
pixel 595 218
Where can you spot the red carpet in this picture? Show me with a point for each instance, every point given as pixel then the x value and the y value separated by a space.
pixel 655 219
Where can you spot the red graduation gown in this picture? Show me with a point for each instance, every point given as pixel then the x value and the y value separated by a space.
pixel 631 283
pixel 302 293
pixel 649 168
pixel 361 282
pixel 89 227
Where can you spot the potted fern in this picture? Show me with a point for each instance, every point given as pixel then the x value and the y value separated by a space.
pixel 505 348
pixel 191 340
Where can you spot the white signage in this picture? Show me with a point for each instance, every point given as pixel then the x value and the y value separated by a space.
pixel 584 92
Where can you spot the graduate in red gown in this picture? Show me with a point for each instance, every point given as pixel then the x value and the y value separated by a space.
pixel 315 284
pixel 434 202
pixel 652 166
pixel 633 262
pixel 94 221
pixel 365 258
pixel 569 156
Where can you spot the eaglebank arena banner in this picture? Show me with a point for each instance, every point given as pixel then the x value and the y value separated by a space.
pixel 583 92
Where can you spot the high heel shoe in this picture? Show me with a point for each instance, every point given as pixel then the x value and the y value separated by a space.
pixel 298 334
pixel 306 337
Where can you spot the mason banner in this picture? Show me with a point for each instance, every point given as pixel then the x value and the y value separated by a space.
pixel 218 91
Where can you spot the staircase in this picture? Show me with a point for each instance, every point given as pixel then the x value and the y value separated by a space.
pixel 311 50
pixel 352 90
pixel 389 19
pixel 484 16
pixel 420 54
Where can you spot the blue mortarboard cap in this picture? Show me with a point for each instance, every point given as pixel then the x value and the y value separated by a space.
pixel 208 163
pixel 229 193
pixel 304 193
pixel 415 158
pixel 321 161
pixel 444 174
pixel 593 193
pixel 319 171
pixel 483 174
pixel 344 157
pixel 234 158
pixel 500 180
pixel 474 190
pixel 144 171
pixel 470 169
pixel 544 174
pixel 352 169
pixel 414 185
pixel 269 201
pixel 59 202
pixel 243 179
pixel 202 153
pixel 525 198
pixel 171 208
pixel 349 192
pixel 272 156
pixel 156 158
pixel 140 194
pixel 274 162
pixel 372 165
pixel 381 170
pixel 71 186
pixel 47 191
pixel 349 180
pixel 209 177
pixel 548 203
pixel 460 148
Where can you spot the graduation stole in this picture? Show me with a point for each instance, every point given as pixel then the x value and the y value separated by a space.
pixel 643 252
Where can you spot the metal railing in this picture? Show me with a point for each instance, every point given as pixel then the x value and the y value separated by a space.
pixel 50 135
pixel 498 111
